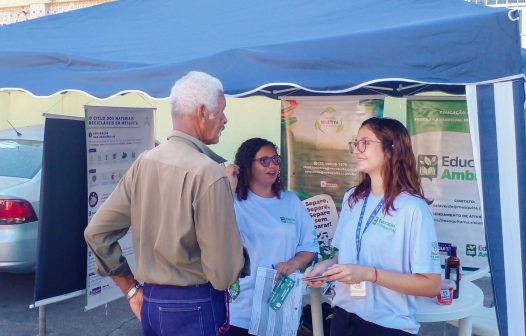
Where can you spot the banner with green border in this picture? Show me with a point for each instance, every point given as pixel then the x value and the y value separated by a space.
pixel 444 153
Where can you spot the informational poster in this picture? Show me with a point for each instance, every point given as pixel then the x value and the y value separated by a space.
pixel 315 142
pixel 316 132
pixel 115 136
pixel 443 149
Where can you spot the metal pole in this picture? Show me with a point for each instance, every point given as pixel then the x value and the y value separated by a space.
pixel 315 306
pixel 42 320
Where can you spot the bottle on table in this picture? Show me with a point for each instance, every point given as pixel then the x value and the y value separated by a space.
pixel 453 270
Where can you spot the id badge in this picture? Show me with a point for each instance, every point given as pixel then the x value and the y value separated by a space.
pixel 358 290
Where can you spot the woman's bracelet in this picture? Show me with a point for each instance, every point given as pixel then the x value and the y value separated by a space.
pixel 133 291
pixel 375 274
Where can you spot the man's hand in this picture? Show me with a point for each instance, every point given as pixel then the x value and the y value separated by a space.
pixel 136 303
pixel 125 283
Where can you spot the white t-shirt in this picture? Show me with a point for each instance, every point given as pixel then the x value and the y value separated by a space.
pixel 404 241
pixel 273 230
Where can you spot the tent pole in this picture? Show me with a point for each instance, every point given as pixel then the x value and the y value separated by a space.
pixel 42 320
pixel 316 312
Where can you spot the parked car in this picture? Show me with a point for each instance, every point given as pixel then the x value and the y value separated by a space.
pixel 20 171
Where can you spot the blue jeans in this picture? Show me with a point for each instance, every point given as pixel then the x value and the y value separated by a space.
pixel 183 311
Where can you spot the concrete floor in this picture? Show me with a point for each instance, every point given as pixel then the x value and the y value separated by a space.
pixel 68 318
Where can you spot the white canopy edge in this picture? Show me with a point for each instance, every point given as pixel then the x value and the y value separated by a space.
pixel 293 87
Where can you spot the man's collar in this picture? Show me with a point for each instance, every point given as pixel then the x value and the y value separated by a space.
pixel 198 144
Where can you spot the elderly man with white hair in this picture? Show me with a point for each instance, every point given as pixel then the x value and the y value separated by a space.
pixel 177 202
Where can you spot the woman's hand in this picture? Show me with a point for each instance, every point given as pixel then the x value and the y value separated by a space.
pixel 350 273
pixel 232 171
pixel 286 268
pixel 299 261
pixel 319 269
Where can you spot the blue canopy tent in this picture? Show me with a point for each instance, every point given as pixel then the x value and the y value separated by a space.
pixel 359 46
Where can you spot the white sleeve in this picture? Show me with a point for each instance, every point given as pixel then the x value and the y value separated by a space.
pixel 423 240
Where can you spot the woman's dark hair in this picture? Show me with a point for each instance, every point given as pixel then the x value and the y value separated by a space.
pixel 399 172
pixel 245 155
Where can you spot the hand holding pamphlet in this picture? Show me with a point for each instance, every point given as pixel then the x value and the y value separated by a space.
pixel 315 278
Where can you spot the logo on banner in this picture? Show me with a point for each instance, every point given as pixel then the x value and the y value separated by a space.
pixel 287 220
pixel 93 199
pixel 427 166
pixel 328 184
pixel 471 250
pixel 329 120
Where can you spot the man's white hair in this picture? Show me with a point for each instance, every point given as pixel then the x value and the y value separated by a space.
pixel 192 90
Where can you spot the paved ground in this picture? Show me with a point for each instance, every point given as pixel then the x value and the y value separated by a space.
pixel 68 317
pixel 65 318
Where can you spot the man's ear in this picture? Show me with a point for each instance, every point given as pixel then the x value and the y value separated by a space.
pixel 200 113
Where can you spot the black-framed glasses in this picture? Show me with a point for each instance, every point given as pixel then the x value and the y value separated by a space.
pixel 265 160
pixel 360 145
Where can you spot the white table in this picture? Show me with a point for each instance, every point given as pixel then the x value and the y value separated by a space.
pixel 469 300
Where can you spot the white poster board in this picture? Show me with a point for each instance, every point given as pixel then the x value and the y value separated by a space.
pixel 115 136
pixel 439 131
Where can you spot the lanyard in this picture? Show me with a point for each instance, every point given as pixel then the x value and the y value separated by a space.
pixel 369 221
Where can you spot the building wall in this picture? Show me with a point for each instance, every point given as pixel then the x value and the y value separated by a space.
pixel 12 11
pixel 247 117
pixel 519 5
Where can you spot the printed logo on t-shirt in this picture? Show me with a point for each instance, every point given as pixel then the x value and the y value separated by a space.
pixel 383 224
pixel 287 220
pixel 435 252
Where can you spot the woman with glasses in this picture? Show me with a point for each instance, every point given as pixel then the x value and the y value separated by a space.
pixel 275 227
pixel 386 239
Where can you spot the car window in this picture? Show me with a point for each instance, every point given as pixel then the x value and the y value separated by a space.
pixel 20 158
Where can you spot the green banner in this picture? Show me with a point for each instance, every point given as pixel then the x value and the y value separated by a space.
pixel 437 115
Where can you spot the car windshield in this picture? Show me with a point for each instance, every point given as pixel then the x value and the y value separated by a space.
pixel 20 158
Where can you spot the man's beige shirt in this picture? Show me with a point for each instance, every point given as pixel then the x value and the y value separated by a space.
pixel 177 201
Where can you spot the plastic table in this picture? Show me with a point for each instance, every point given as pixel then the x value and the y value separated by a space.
pixel 469 300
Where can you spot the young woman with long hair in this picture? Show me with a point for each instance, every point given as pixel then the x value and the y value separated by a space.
pixel 386 239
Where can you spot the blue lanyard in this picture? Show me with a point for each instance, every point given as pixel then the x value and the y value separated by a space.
pixel 369 221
